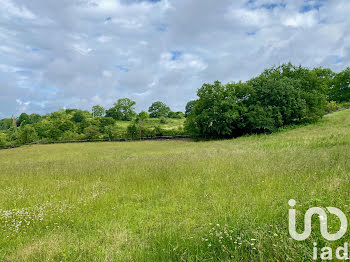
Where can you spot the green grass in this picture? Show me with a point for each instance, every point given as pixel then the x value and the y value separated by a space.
pixel 153 122
pixel 169 200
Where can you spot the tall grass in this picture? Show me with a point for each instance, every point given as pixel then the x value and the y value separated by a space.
pixel 173 200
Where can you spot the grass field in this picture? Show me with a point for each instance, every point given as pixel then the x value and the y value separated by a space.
pixel 173 200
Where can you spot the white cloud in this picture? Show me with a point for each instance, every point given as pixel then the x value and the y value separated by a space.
pixel 67 53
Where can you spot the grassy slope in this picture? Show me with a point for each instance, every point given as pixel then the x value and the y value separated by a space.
pixel 153 122
pixel 162 201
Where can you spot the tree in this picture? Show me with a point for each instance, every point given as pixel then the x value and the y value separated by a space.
pixel 158 109
pixel 105 121
pixel 340 89
pixel 142 116
pixel 34 118
pixel 98 111
pixel 123 110
pixel 78 116
pixel 23 118
pixel 279 96
pixel 91 132
pixel 27 134
pixel 189 107
pixel 5 123
pixel 176 115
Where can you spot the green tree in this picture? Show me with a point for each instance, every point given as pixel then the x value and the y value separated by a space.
pixel 34 118
pixel 189 107
pixel 92 132
pixel 5 123
pixel 79 116
pixel 340 89
pixel 142 116
pixel 27 134
pixel 123 110
pixel 98 111
pixel 23 118
pixel 158 109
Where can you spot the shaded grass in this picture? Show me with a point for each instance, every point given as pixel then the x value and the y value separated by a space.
pixel 172 200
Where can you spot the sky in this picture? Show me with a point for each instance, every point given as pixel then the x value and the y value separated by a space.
pixel 81 53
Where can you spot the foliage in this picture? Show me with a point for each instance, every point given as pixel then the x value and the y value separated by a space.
pixel 142 116
pixel 280 96
pixel 27 134
pixel 340 90
pixel 123 110
pixel 78 116
pixel 189 107
pixel 5 123
pixel 332 106
pixel 163 120
pixel 98 111
pixel 176 115
pixel 92 132
pixel 3 141
pixel 158 109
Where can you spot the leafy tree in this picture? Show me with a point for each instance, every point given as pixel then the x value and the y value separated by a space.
pixel 142 116
pixel 66 125
pixel 158 109
pixel 92 132
pixel 279 96
pixel 23 118
pixel 27 134
pixel 113 132
pixel 132 131
pixel 123 110
pixel 105 121
pixel 98 111
pixel 5 123
pixel 34 118
pixel 176 115
pixel 78 116
pixel 53 133
pixel 189 107
pixel 340 89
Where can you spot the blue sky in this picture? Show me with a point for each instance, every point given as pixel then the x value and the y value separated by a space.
pixel 79 53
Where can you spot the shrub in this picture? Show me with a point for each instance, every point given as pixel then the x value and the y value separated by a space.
pixel 332 106
pixel 3 141
pixel 27 134
pixel 163 120
pixel 91 132
pixel 70 135
pixel 114 132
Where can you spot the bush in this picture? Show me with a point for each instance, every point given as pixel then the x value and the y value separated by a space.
pixel 114 132
pixel 332 106
pixel 27 134
pixel 3 142
pixel 92 132
pixel 70 136
pixel 163 120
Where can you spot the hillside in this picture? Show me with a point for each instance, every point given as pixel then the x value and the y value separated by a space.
pixel 172 200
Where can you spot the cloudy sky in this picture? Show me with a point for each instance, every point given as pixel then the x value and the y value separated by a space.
pixel 78 53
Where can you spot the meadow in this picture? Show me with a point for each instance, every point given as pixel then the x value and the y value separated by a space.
pixel 223 200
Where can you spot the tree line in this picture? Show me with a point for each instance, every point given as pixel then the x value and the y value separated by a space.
pixel 75 124
pixel 280 96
